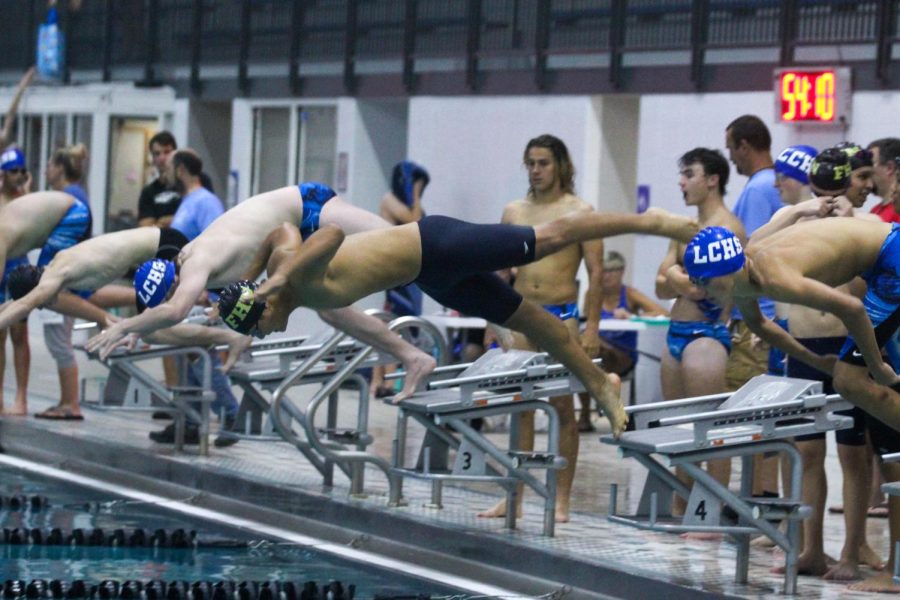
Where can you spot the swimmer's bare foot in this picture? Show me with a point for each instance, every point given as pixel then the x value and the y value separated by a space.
pixel 16 410
pixel 498 511
pixel 673 226
pixel 844 570
pixel 417 367
pixel 762 541
pixel 703 536
pixel 610 402
pixel 562 510
pixel 807 565
pixel 883 582
pixel 868 556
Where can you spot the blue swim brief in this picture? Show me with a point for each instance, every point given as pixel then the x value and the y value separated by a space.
pixel 314 196
pixel 563 311
pixel 682 333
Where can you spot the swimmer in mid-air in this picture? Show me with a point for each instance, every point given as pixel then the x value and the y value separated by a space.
pixel 222 252
pixel 452 261
pixel 93 264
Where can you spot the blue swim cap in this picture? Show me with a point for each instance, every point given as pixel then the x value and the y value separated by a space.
pixel 794 162
pixel 153 280
pixel 406 174
pixel 713 252
pixel 12 158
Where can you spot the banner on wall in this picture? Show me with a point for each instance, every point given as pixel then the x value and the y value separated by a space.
pixel 50 48
pixel 643 198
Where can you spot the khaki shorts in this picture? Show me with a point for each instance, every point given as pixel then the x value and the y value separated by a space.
pixel 749 356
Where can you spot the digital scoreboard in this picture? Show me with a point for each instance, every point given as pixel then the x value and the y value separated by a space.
pixel 814 95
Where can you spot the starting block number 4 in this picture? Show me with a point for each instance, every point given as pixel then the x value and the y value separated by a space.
pixel 470 460
pixel 703 508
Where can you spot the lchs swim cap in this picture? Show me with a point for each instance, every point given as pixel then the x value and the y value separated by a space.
pixel 153 280
pixel 794 162
pixel 713 252
pixel 239 314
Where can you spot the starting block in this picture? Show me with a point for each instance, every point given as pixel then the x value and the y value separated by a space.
pixel 330 360
pixel 498 383
pixel 130 387
pixel 761 417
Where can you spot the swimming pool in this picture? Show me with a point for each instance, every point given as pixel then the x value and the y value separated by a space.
pixel 226 549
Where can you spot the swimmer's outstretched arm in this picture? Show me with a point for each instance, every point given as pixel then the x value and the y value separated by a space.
pixel 69 304
pixel 189 334
pixel 307 262
pixel 851 311
pixel 42 294
pixel 775 336
pixel 192 282
pixel 284 239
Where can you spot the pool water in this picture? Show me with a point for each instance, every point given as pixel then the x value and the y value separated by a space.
pixel 222 553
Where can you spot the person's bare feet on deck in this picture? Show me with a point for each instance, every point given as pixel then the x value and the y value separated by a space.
pixel 883 582
pixel 498 511
pixel 815 566
pixel 16 410
pixel 868 556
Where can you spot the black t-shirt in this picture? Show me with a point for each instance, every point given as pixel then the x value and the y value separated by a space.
pixel 159 201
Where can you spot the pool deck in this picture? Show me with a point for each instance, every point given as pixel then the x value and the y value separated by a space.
pixel 590 555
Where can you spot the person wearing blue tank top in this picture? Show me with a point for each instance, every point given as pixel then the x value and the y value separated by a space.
pixel 698 342
pixel 618 349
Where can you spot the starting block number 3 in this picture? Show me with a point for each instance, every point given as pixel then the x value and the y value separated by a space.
pixel 470 460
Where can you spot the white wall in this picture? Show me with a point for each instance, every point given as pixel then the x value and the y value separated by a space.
pixel 381 143
pixel 209 133
pixel 472 147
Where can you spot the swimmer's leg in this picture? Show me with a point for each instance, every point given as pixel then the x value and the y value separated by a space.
pixel 579 227
pixel 350 218
pixel 550 334
pixel 374 331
